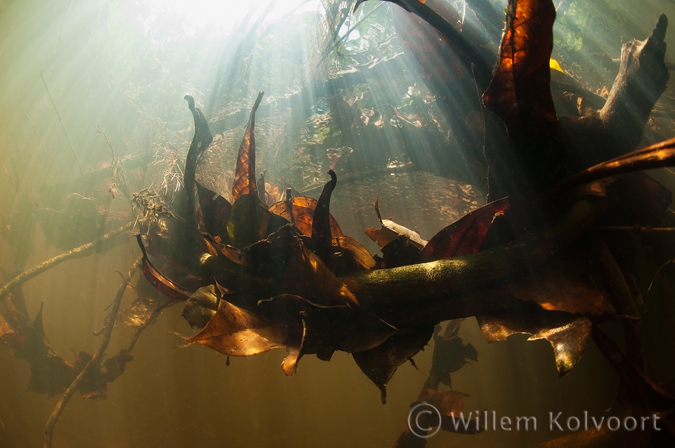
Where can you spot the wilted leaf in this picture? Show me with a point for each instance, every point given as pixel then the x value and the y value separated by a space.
pixel 451 354
pixel 566 332
pixel 326 329
pixel 353 256
pixel 390 231
pixel 466 235
pixel 250 221
pixel 296 270
pixel 380 363
pixel 399 252
pixel 50 374
pixel 519 92
pixel 201 140
pixel 299 211
pixel 321 232
pixel 244 176
pixel 5 329
pixel 234 331
pixel 215 212
pixel 201 307
pixel 570 283
pixel 448 403
pixel 159 281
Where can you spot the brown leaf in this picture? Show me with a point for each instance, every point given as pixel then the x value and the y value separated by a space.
pixel 380 363
pixel 159 281
pixel 448 403
pixel 244 176
pixel 354 256
pixel 466 235
pixel 215 211
pixel 321 232
pixel 5 329
pixel 566 332
pixel 326 329
pixel 570 283
pixel 201 140
pixel 234 331
pixel 299 211
pixel 391 231
pixel 519 92
pixel 296 270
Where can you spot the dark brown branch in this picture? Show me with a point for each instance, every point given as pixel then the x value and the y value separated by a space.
pixel 110 324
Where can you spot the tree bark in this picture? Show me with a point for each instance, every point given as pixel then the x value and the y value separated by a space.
pixel 617 128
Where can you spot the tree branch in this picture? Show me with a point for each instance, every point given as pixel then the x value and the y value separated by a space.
pixel 110 324
pixel 85 249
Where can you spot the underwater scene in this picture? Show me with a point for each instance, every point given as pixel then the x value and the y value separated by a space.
pixel 337 223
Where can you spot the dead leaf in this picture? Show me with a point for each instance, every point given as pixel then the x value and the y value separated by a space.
pixel 466 235
pixel 215 212
pixel 321 232
pixel 566 332
pixel 519 92
pixel 201 140
pixel 296 270
pixel 244 176
pixel 353 257
pixel 390 231
pixel 570 283
pixel 299 211
pixel 250 221
pixel 159 281
pixel 234 331
pixel 326 329
pixel 380 363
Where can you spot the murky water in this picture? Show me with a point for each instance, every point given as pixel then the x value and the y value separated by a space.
pixel 83 83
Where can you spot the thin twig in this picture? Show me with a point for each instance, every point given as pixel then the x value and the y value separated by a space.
pixel 110 324
pixel 330 49
pixel 658 272
pixel 58 115
pixel 45 265
pixel 44 148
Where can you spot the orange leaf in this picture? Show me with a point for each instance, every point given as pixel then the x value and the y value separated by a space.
pixel 244 176
pixel 520 91
pixel 299 211
pixel 234 331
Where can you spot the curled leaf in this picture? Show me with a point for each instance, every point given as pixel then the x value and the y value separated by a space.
pixel 234 331
pixel 466 235
pixel 201 140
pixel 380 363
pixel 244 176
pixel 390 231
pixel 299 211
pixel 215 212
pixel 321 232
pixel 161 283
pixel 519 92
pixel 566 332
pixel 250 221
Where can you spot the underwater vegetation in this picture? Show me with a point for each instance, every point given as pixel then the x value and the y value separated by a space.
pixel 551 255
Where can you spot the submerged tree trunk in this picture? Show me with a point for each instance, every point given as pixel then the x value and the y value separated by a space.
pixel 617 128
